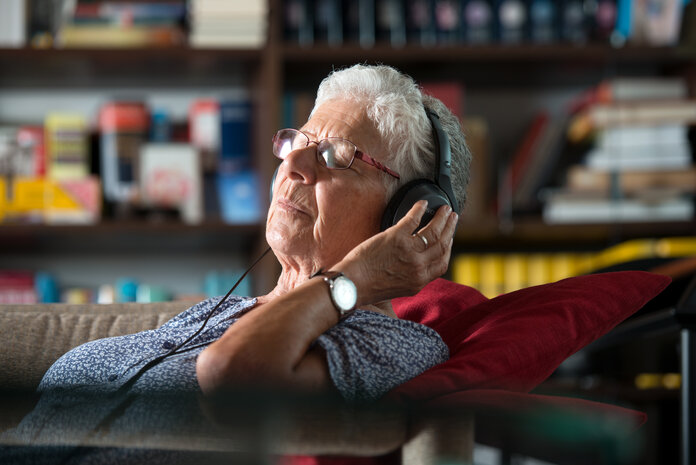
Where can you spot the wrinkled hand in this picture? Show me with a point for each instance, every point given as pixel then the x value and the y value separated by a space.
pixel 396 262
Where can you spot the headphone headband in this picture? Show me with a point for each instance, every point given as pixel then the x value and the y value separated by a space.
pixel 443 158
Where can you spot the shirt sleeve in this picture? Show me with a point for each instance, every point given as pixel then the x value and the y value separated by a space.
pixel 369 354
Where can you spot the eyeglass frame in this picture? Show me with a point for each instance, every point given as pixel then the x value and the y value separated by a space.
pixel 359 154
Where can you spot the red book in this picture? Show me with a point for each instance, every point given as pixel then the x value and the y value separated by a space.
pixel 449 93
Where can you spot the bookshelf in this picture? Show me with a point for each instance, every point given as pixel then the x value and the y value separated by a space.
pixel 526 73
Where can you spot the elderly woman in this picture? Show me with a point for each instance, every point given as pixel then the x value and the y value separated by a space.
pixel 329 195
pixel 328 324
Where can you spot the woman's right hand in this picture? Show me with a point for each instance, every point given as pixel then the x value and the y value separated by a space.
pixel 396 262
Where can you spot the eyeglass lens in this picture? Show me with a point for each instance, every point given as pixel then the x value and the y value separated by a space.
pixel 334 153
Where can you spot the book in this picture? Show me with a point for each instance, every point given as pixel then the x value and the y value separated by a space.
pixel 30 139
pixel 391 22
pixel 544 162
pixel 640 157
pixel 479 24
pixel 656 25
pixel 124 127
pixel 572 21
pixel 650 88
pixel 448 19
pixel 420 22
pixel 115 36
pixel 239 193
pixel 519 165
pixel 13 23
pixel 451 93
pixel 366 26
pixel 542 21
pixel 235 135
pixel 17 287
pixel 328 22
pixel 479 188
pixel 602 16
pixel 566 207
pixel 171 177
pixel 512 21
pixel 637 136
pixel 204 130
pixel 215 24
pixel 583 178
pixel 66 201
pixel 67 153
pixel 644 112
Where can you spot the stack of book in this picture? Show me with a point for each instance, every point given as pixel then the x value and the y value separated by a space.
pixel 641 166
pixel 442 22
pixel 228 23
pixel 111 24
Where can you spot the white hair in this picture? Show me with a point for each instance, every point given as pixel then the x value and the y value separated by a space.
pixel 395 104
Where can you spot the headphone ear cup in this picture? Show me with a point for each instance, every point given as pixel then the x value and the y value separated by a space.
pixel 407 196
pixel 270 194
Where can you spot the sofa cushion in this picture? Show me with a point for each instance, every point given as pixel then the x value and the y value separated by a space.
pixel 516 340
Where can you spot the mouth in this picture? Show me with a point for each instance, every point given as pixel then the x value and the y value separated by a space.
pixel 290 206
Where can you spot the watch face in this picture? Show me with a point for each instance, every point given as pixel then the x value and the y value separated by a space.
pixel 344 293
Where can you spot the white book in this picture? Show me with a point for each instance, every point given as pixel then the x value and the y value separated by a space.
pixel 13 23
pixel 630 136
pixel 213 41
pixel 225 7
pixel 643 112
pixel 559 211
pixel 647 88
pixel 640 158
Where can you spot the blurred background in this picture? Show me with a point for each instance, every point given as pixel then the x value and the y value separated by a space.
pixel 135 152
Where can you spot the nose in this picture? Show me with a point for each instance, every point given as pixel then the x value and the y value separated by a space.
pixel 301 164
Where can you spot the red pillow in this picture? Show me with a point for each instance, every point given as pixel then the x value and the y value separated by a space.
pixel 516 340
pixel 440 300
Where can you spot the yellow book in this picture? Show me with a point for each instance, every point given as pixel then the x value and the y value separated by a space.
pixel 538 269
pixel 676 247
pixel 562 266
pixel 492 278
pixel 515 272
pixel 465 270
pixel 67 150
pixel 626 252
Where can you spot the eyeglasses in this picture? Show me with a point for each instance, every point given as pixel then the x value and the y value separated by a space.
pixel 333 152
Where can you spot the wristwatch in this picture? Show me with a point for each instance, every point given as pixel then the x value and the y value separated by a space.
pixel 344 294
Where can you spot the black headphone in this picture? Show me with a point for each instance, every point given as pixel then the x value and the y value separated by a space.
pixel 437 193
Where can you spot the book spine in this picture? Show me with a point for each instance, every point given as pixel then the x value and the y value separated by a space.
pixel 235 135
pixel 543 21
pixel 367 26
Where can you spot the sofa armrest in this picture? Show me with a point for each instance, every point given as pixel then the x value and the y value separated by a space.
pixel 35 336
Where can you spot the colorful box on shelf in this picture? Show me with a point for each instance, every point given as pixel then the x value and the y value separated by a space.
pixel 74 201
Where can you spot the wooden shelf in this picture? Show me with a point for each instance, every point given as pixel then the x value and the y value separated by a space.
pixel 86 66
pixel 534 233
pixel 519 54
pixel 129 236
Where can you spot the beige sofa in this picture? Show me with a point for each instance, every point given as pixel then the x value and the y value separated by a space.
pixel 35 336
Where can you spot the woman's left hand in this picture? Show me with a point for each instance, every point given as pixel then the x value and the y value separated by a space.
pixel 397 262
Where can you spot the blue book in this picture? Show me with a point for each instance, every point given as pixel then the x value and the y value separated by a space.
pixel 623 21
pixel 366 26
pixel 239 197
pixel 235 135
pixel 542 21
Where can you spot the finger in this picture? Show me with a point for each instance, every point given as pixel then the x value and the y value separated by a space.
pixel 433 230
pixel 412 218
